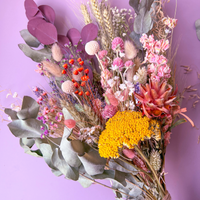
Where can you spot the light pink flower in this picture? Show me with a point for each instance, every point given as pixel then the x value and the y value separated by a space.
pixel 118 62
pixel 118 44
pixel 128 64
pixel 109 111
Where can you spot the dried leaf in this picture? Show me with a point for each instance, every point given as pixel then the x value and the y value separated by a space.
pixel 29 39
pixel 74 36
pixel 31 7
pixel 135 5
pixel 197 25
pixel 48 13
pixel 68 153
pixel 122 166
pixel 26 144
pixel 136 39
pixel 26 128
pixel 35 55
pixel 59 162
pixel 32 24
pixel 30 108
pixel 11 113
pixel 143 22
pixel 89 33
pixel 93 163
pixel 46 33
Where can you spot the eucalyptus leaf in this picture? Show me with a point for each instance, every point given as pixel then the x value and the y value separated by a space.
pixel 11 113
pixel 30 108
pixel 66 114
pixel 29 39
pixel 136 39
pixel 59 162
pixel 35 55
pixel 93 163
pixel 68 153
pixel 112 175
pixel 197 25
pixel 78 147
pixel 135 5
pixel 135 192
pixel 143 22
pixel 26 128
pixel 119 165
pixel 57 172
pixel 47 154
pixel 84 181
pixel 26 144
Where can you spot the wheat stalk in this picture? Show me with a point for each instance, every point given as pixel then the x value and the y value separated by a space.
pixel 85 14
pixel 108 22
pixel 91 114
pixel 96 12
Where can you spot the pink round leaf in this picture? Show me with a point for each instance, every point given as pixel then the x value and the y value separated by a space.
pixel 46 33
pixel 31 7
pixel 74 36
pixel 38 15
pixel 89 33
pixel 48 13
pixel 70 123
pixel 33 23
pixel 63 41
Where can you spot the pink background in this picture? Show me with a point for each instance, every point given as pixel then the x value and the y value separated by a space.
pixel 23 177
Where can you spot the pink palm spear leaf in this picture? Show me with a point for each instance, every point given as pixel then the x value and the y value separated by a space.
pixel 156 99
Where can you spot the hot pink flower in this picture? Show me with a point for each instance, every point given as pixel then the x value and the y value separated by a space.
pixel 128 63
pixel 109 111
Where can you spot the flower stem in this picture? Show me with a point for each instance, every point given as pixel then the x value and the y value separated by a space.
pixel 153 171
pixel 104 185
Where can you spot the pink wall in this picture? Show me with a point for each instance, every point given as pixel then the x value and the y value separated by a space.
pixel 23 177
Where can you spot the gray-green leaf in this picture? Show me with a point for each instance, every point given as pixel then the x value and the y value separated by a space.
pixel 93 163
pixel 143 22
pixel 30 108
pixel 136 39
pixel 11 113
pixel 68 153
pixel 35 55
pixel 26 128
pixel 135 5
pixel 119 165
pixel 26 144
pixel 59 162
pixel 197 25
pixel 29 39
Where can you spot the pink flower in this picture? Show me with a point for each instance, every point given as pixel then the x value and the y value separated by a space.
pixel 109 111
pixel 167 138
pixel 118 44
pixel 105 76
pixel 102 54
pixel 118 62
pixel 128 63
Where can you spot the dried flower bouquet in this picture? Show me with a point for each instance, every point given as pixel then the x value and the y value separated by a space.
pixel 113 102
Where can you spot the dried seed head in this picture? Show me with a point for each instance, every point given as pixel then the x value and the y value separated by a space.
pixel 155 160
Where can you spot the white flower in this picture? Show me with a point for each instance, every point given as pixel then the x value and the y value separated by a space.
pixel 111 82
pixel 15 95
pixel 122 86
pixel 131 91
pixel 17 108
pixel 8 94
pixel 12 105
pixel 114 67
pixel 9 118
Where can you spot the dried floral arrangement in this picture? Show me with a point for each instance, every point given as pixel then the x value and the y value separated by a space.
pixel 113 100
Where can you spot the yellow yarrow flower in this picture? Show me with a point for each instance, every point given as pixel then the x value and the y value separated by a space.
pixel 126 128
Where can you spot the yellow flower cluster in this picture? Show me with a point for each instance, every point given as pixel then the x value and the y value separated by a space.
pixel 126 128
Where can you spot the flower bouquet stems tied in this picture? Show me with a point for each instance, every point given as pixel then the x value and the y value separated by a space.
pixel 112 101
